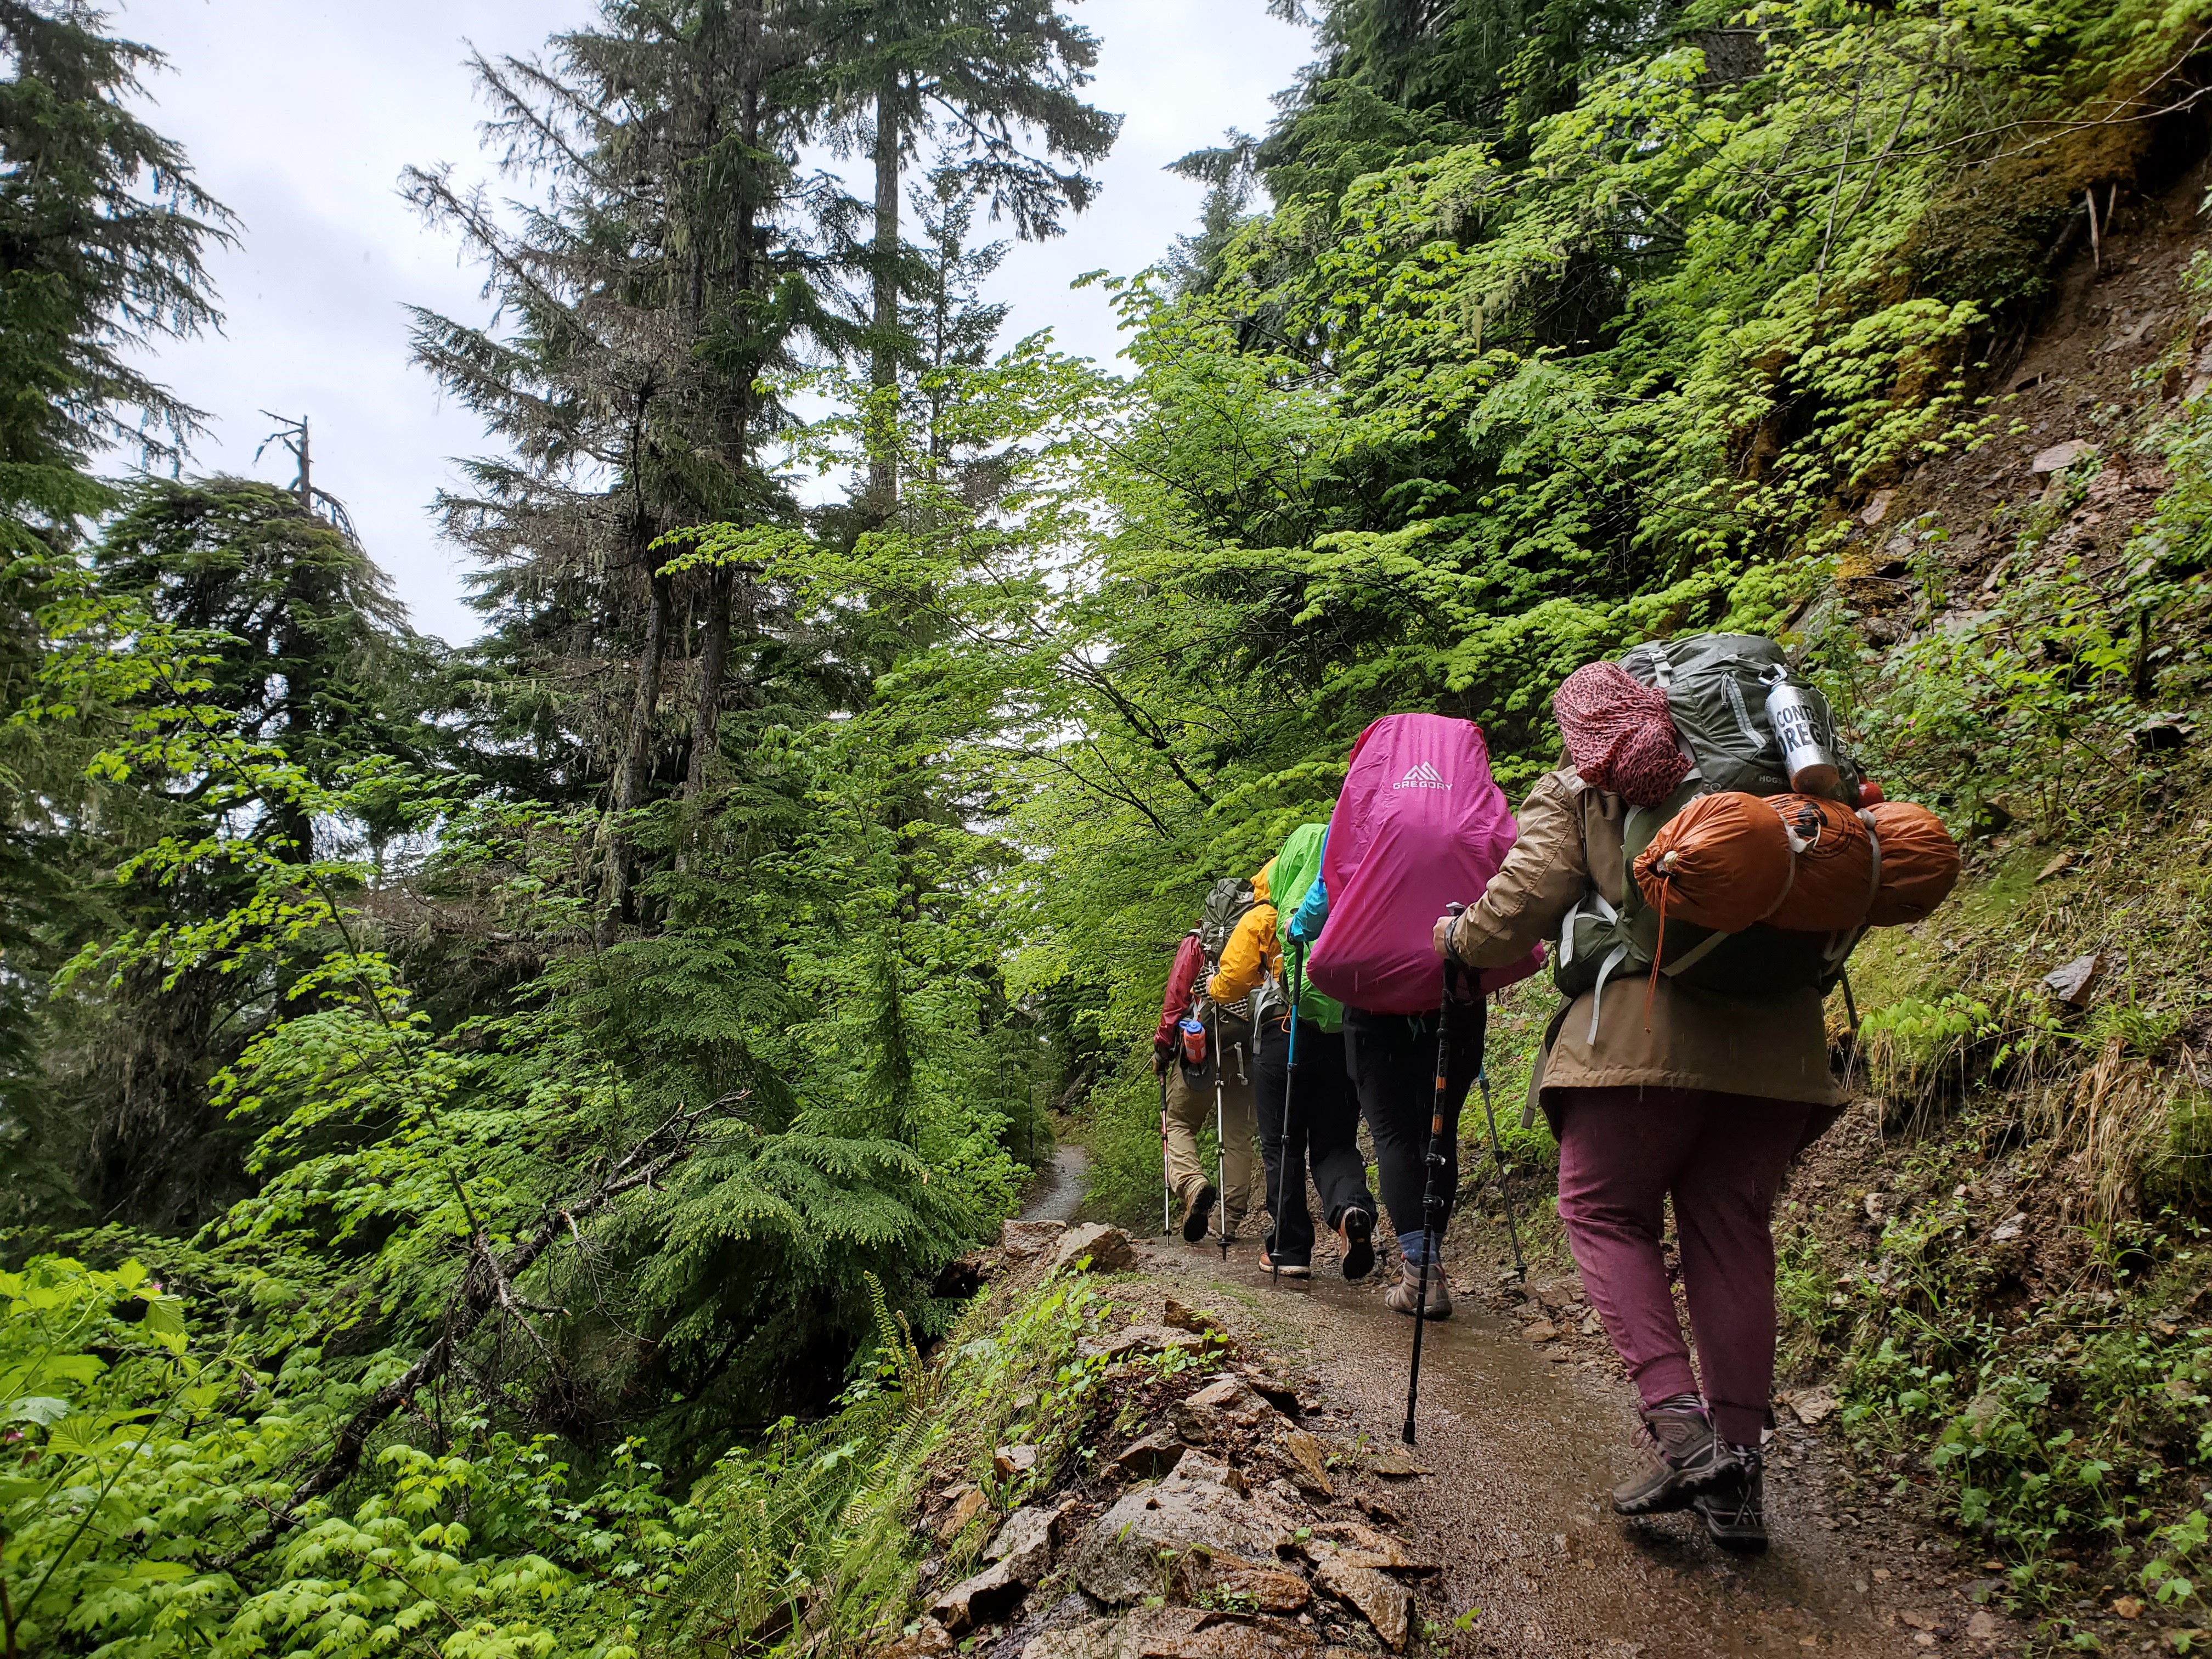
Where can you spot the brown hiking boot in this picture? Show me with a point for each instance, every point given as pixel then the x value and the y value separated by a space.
pixel 1406 1294
pixel 1693 1461
pixel 1356 1227
pixel 1199 1212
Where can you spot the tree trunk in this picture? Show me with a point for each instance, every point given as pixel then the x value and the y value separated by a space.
pixel 713 663
pixel 637 765
pixel 882 444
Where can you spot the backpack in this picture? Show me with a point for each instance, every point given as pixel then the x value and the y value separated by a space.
pixel 1295 867
pixel 1227 902
pixel 1715 686
pixel 1421 824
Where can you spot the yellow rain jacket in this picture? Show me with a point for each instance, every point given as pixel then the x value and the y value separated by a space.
pixel 1253 955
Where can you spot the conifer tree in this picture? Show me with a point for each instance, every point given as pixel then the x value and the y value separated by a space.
pixel 671 263
pixel 103 227
pixel 994 84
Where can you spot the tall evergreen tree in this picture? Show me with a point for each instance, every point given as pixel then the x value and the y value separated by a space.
pixel 671 264
pixel 994 84
pixel 103 227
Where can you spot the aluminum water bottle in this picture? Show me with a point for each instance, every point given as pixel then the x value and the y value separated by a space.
pixel 1801 726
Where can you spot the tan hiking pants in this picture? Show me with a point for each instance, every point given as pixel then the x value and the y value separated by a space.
pixel 1191 1105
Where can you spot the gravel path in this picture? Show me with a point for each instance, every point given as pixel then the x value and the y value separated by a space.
pixel 1058 1189
pixel 1521 1453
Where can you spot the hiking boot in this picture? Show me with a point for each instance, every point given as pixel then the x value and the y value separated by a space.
pixel 1200 1211
pixel 1356 1227
pixel 1693 1461
pixel 1288 1269
pixel 1404 1296
pixel 1735 1509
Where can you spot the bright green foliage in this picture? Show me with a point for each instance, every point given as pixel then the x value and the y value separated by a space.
pixel 142 1453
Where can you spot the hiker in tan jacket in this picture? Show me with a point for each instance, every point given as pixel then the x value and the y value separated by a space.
pixel 1681 1092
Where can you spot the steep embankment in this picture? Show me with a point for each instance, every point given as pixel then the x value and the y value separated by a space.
pixel 1236 1486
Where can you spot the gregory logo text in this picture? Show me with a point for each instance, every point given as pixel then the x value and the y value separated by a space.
pixel 1424 776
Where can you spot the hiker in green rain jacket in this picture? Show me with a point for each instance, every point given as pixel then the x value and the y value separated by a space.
pixel 1311 1119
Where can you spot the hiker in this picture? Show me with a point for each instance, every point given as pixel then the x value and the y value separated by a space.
pixel 1663 1088
pixel 1221 1087
pixel 1419 822
pixel 1313 1123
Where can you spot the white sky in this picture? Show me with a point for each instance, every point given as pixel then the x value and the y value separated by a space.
pixel 299 115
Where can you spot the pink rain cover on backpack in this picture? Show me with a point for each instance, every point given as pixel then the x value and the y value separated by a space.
pixel 1420 825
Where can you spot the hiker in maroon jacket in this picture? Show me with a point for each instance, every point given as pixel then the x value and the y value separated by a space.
pixel 1654 1093
pixel 1190 1102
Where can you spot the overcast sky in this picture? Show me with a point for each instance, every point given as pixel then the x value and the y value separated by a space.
pixel 299 115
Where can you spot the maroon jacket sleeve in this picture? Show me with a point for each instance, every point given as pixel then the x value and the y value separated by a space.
pixel 1182 978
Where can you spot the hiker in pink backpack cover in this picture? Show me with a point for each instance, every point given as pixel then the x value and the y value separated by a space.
pixel 1420 823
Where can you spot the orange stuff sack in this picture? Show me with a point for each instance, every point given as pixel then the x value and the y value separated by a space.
pixel 1919 863
pixel 1722 862
pixel 1833 886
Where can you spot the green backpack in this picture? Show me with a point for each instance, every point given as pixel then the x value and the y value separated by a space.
pixel 1715 686
pixel 1296 868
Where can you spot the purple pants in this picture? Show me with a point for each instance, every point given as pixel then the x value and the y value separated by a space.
pixel 1622 1152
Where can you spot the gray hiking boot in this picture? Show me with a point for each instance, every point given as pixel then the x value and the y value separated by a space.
pixel 1735 1511
pixel 1691 1460
pixel 1406 1294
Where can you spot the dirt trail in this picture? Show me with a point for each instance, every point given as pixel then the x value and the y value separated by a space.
pixel 1521 1453
pixel 1058 1193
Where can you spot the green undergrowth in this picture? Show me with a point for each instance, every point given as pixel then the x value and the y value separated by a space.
pixel 146 1445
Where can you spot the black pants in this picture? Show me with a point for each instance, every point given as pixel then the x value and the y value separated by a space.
pixel 1392 1059
pixel 1323 1134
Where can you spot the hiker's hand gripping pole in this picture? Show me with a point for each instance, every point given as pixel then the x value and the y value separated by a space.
pixel 1432 1196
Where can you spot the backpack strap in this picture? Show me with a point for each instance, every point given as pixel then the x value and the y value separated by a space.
pixel 1612 960
pixel 1598 907
pixel 1696 954
pixel 1751 735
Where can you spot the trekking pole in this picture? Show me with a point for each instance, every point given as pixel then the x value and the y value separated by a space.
pixel 1167 1182
pixel 1221 1145
pixel 1497 1150
pixel 1432 1202
pixel 1283 1129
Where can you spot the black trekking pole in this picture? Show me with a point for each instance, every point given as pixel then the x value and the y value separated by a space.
pixel 1283 1129
pixel 1221 1139
pixel 1433 1200
pixel 1167 1184
pixel 1497 1150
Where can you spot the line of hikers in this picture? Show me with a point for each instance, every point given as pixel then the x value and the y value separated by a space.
pixel 1710 854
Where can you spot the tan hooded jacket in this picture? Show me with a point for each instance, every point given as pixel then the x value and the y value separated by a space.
pixel 1571 839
